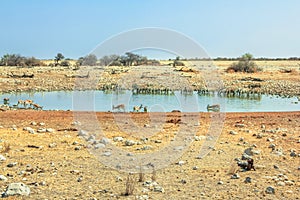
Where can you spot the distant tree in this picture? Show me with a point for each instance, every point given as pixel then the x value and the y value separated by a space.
pixel 110 60
pixel 89 60
pixel 58 58
pixel 12 60
pixel 32 61
pixel 177 62
pixel 245 64
pixel 65 63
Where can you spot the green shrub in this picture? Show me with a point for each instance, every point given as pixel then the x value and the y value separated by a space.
pixel 245 64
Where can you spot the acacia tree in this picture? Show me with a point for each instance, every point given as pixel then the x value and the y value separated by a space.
pixel 58 58
pixel 89 60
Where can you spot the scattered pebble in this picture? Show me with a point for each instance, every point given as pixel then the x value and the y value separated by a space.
pixel 3 178
pixel 118 139
pixel 220 182
pixel 235 176
pixel 233 133
pixel 2 158
pixel 248 180
pixel 130 142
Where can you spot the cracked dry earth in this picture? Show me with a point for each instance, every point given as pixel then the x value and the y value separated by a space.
pixel 58 164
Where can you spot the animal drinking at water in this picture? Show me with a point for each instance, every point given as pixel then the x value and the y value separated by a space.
pixel 137 108
pixel 214 108
pixel 119 107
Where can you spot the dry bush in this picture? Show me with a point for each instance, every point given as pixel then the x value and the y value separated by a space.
pixel 5 148
pixel 141 175
pixel 153 177
pixel 233 168
pixel 130 185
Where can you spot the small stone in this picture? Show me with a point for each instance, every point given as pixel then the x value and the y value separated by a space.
pixel 50 130
pixel 235 176
pixel 276 167
pixel 220 182
pixel 105 140
pixel 248 180
pixel 270 190
pixel 293 154
pixel 158 141
pixel 181 162
pixel 118 139
pixel 240 125
pixel 272 146
pixel 259 136
pixel 183 181
pixel 241 139
pixel 107 154
pixel 99 146
pixel 148 147
pixel 263 126
pixel 16 189
pixel 12 164
pixel 233 133
pixel 77 148
pixel 3 178
pixel 82 133
pixel 158 188
pixel 280 183
pixel 195 168
pixel 2 158
pixel 41 124
pixel 52 145
pixel 33 123
pixel 130 142
pixel 41 130
pixel 270 140
pixel 146 125
pixel 289 183
pixel 75 143
pixel 118 179
pixel 80 179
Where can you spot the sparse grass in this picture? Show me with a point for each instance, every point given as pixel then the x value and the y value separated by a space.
pixel 141 175
pixel 153 177
pixel 130 185
pixel 5 148
pixel 233 168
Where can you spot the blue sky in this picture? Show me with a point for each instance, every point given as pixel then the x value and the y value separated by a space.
pixel 225 28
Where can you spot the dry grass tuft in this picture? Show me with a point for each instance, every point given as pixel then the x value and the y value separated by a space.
pixel 130 185
pixel 5 148
pixel 233 168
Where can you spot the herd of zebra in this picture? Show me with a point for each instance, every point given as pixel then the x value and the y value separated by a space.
pixel 25 104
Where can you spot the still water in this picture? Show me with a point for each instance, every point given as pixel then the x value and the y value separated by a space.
pixel 103 101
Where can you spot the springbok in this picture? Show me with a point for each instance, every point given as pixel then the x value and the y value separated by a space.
pixel 137 108
pixel 37 106
pixel 119 107
pixel 25 103
pixel 214 108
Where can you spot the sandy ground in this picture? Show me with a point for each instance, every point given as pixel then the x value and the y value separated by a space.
pixel 59 165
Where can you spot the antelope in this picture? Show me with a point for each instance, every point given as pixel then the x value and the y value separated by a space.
pixel 137 108
pixel 214 108
pixel 36 106
pixel 119 107
pixel 25 103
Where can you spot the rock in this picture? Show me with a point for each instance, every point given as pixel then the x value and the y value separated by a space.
pixel 240 125
pixel 235 176
pixel 105 140
pixel 118 179
pixel 79 179
pixel 246 156
pixel 298 167
pixel 2 158
pixel 270 140
pixel 241 139
pixel 158 188
pixel 107 154
pixel 270 190
pixel 248 151
pixel 76 123
pixel 142 197
pixel 52 145
pixel 3 178
pixel 16 189
pixel 289 183
pixel 130 142
pixel 29 130
pixel 50 130
pixel 233 133
pixel 276 167
pixel 220 182
pixel 99 146
pixel 248 180
pixel 280 183
pixel 272 146
pixel 77 148
pixel 256 152
pixel 195 168
pixel 181 162
pixel 293 154
pixel 33 123
pixel 148 147
pixel 118 139
pixel 82 133
pixel 158 141
pixel 12 164
pixel 183 181
pixel 259 136
pixel 41 130
pixel 178 148
pixel 263 126
pixel 41 124
pixel 146 125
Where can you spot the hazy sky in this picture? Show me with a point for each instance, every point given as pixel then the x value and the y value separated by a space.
pixel 42 28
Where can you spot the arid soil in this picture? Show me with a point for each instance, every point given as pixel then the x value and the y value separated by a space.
pixel 58 164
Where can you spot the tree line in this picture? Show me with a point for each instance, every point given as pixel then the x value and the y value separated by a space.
pixel 128 59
